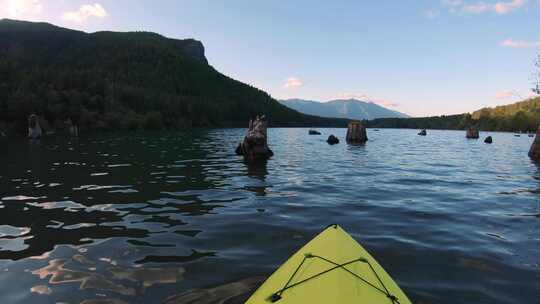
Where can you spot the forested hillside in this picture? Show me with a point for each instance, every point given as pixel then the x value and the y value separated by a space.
pixel 520 116
pixel 110 80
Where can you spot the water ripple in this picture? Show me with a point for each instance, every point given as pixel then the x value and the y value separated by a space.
pixel 172 216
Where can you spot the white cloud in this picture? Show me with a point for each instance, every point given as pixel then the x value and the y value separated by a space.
pixel 385 102
pixel 452 3
pixel 293 82
pixel 432 14
pixel 477 8
pixel 514 94
pixel 359 96
pixel 520 44
pixel 505 94
pixel 506 7
pixel 531 95
pixel 20 8
pixel 500 8
pixel 84 12
pixel 365 97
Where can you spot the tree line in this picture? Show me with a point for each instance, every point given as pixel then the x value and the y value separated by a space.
pixel 523 116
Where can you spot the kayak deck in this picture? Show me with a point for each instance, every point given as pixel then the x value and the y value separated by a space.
pixel 331 268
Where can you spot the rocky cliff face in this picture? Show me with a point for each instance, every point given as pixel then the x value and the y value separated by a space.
pixel 193 49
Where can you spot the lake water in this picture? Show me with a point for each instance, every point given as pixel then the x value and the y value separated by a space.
pixel 177 217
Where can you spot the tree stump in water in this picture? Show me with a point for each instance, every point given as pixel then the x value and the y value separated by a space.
pixel 255 144
pixel 332 140
pixel 356 133
pixel 34 129
pixel 72 127
pixel 534 152
pixel 472 133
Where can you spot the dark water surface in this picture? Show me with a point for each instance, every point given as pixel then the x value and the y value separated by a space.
pixel 178 218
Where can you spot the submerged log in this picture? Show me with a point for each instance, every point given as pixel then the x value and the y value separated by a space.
pixel 255 144
pixel 72 127
pixel 423 132
pixel 534 151
pixel 34 129
pixel 488 140
pixel 472 133
pixel 332 140
pixel 356 133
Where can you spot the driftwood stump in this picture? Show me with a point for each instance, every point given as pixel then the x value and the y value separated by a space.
pixel 332 140
pixel 356 133
pixel 534 151
pixel 255 144
pixel 73 128
pixel 34 129
pixel 472 133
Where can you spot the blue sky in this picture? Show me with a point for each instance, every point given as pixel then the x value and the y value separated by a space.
pixel 419 57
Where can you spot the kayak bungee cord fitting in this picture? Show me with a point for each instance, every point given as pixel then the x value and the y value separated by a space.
pixel 331 268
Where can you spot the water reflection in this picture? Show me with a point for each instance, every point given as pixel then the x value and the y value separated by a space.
pixel 78 226
pixel 257 170
pixel 104 301
pixel 41 289
pixel 195 255
pixel 177 217
pixel 87 280
pixel 112 279
pixel 236 292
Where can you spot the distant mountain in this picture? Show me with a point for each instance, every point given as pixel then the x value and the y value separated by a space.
pixel 115 81
pixel 342 108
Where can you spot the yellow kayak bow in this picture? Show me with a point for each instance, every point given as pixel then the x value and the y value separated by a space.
pixel 331 269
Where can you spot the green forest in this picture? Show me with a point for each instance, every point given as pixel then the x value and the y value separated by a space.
pixel 523 116
pixel 122 81
pixel 519 116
